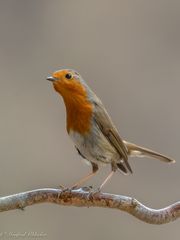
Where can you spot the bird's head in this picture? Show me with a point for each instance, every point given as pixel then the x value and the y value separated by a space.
pixel 68 83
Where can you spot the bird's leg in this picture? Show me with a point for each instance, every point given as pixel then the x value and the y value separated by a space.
pixel 92 192
pixel 84 179
pixel 81 181
pixel 113 169
pixel 107 179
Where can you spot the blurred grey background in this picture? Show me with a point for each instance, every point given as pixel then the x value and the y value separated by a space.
pixel 129 53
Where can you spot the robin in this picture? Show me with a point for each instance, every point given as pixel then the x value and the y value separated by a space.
pixel 90 127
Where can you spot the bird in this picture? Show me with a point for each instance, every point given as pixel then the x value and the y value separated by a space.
pixel 92 130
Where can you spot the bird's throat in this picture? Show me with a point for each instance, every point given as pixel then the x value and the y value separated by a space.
pixel 79 113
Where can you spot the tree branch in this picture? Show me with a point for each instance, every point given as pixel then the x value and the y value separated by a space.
pixel 82 198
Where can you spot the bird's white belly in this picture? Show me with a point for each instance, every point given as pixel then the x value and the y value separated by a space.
pixel 94 147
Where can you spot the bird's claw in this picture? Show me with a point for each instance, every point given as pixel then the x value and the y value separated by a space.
pixel 63 190
pixel 87 188
pixel 92 193
pixel 61 187
pixel 74 187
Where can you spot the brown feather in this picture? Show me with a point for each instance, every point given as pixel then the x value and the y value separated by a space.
pixel 105 124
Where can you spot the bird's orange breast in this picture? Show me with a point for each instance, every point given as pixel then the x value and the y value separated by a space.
pixel 79 115
pixel 78 108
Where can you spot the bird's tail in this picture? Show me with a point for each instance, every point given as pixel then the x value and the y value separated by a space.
pixel 137 151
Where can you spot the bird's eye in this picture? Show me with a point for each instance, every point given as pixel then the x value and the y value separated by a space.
pixel 68 76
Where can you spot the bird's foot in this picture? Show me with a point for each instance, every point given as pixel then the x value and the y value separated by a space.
pixel 74 187
pixel 87 188
pixel 62 187
pixel 67 189
pixel 63 190
pixel 92 193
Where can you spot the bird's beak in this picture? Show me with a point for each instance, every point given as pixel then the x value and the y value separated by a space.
pixel 50 78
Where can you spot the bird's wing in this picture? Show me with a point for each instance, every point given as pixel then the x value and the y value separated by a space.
pixel 108 129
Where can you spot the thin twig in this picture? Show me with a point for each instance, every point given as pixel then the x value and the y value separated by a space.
pixel 82 198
